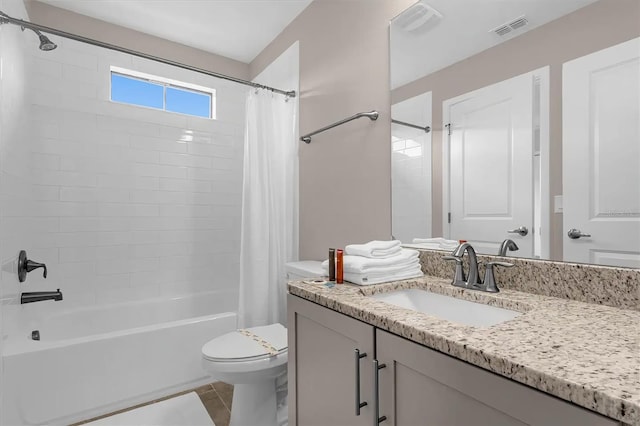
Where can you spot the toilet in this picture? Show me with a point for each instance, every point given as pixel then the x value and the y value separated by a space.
pixel 254 360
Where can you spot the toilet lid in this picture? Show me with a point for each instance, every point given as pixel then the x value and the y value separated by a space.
pixel 245 344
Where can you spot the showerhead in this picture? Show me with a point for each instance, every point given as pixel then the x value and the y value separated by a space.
pixel 45 43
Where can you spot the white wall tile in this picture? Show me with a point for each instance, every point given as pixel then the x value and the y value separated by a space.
pixel 185 160
pixel 46 68
pixel 46 193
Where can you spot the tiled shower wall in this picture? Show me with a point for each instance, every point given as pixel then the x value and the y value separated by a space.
pixel 15 131
pixel 126 203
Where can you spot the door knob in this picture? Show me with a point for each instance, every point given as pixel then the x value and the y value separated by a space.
pixel 523 231
pixel 25 265
pixel 574 234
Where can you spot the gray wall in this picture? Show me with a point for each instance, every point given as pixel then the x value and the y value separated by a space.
pixel 595 27
pixel 50 16
pixel 344 68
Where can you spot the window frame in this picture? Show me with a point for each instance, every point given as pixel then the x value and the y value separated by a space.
pixel 165 83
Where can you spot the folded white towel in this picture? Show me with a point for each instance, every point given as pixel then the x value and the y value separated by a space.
pixel 378 270
pixel 358 264
pixel 437 243
pixel 368 278
pixel 438 240
pixel 429 246
pixel 374 249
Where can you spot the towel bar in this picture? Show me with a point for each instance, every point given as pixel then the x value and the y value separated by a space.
pixel 372 115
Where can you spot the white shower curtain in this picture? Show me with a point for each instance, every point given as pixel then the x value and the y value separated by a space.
pixel 269 208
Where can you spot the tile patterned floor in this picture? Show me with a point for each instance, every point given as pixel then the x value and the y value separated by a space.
pixel 216 398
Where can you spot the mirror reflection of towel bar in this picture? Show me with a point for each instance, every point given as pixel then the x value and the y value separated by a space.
pixel 372 115
pixel 426 129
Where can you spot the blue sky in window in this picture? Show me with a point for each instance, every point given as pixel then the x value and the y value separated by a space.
pixel 144 93
pixel 136 92
pixel 187 102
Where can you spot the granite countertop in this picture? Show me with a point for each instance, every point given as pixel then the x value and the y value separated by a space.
pixel 584 353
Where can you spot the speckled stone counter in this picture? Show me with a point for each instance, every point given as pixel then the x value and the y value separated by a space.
pixel 584 353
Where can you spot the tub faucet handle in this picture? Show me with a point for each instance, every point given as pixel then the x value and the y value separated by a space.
pixel 25 266
pixel 31 265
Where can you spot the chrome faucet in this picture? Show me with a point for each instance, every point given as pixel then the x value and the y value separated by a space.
pixel 474 282
pixel 39 296
pixel 459 278
pixel 507 244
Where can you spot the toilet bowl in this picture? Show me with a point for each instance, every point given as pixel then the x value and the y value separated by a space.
pixel 250 359
pixel 254 360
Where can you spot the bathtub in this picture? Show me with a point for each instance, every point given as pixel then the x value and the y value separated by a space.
pixel 92 361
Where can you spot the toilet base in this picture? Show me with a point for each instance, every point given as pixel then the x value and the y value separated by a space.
pixel 254 404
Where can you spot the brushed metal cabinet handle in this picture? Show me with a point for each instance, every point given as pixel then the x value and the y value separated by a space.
pixel 376 397
pixel 358 357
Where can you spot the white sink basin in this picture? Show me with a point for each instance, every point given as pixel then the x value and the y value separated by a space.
pixel 448 308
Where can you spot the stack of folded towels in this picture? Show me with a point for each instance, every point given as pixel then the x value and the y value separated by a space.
pixel 377 262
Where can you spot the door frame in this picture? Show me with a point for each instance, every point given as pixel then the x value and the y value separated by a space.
pixel 542 75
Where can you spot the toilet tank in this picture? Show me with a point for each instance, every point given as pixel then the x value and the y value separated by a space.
pixel 304 269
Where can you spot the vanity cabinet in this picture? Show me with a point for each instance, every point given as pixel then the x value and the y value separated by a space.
pixel 322 368
pixel 420 386
pixel 417 386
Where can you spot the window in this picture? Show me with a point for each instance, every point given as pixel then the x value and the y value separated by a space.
pixel 135 88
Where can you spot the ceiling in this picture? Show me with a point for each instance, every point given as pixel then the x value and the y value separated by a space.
pixel 237 29
pixel 463 31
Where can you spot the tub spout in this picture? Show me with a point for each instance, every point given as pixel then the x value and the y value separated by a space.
pixel 39 296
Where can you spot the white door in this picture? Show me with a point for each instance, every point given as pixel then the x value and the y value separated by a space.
pixel 491 165
pixel 601 156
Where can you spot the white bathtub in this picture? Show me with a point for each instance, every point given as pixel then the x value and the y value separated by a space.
pixel 92 361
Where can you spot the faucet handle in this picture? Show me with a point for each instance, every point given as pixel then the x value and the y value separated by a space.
pixel 458 277
pixel 489 277
pixel 496 263
pixel 25 266
pixel 31 265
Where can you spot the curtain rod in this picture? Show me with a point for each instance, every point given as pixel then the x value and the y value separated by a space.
pixel 426 129
pixel 4 18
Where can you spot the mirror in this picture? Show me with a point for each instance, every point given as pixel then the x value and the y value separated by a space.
pixel 518 120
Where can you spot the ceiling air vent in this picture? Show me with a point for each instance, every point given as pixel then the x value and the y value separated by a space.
pixel 513 25
pixel 416 17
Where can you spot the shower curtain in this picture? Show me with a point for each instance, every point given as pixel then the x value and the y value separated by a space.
pixel 269 233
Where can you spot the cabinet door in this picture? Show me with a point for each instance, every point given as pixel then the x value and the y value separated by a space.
pixel 322 366
pixel 423 387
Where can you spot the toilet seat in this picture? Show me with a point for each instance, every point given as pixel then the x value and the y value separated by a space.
pixel 247 345
pixel 236 353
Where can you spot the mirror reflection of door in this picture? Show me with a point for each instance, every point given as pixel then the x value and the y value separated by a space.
pixel 601 156
pixel 493 140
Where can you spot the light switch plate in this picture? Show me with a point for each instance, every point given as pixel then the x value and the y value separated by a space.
pixel 557 204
